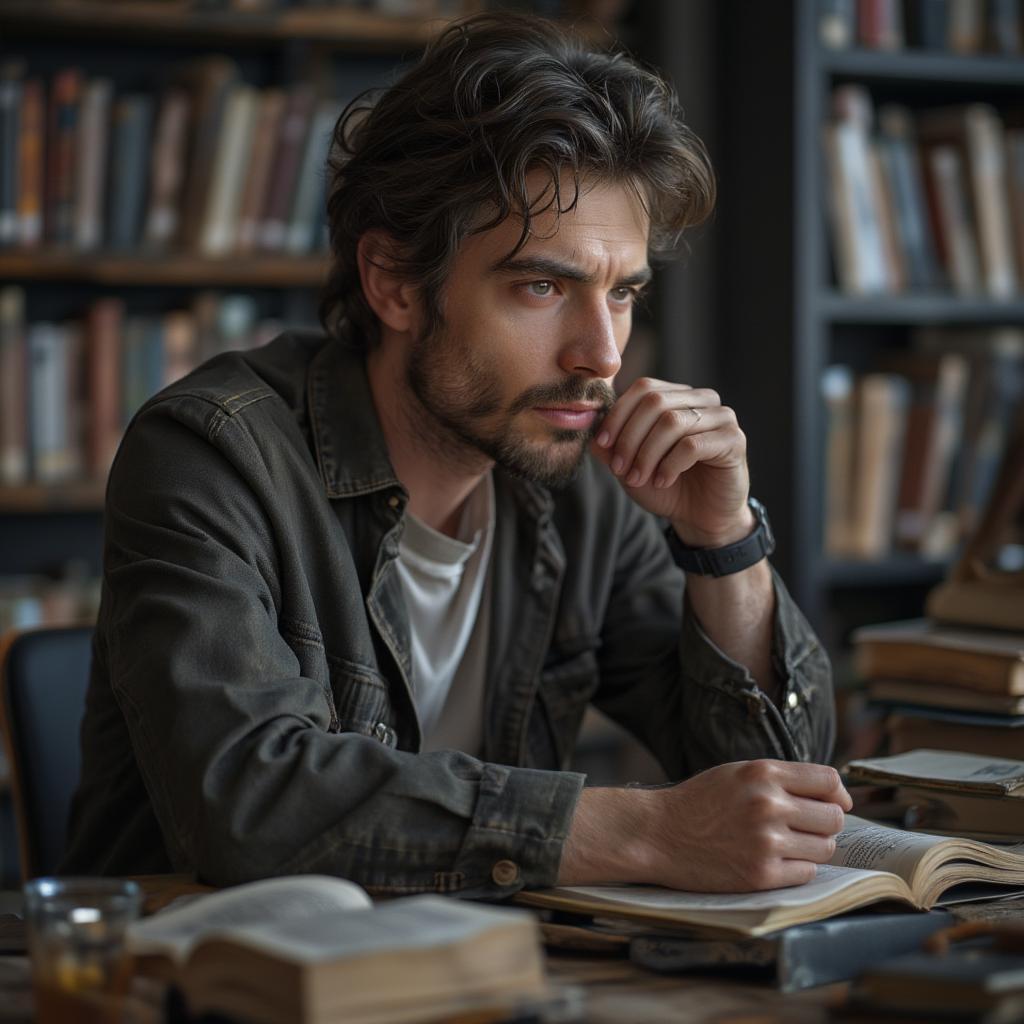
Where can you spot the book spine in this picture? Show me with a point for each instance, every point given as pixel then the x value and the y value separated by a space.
pixel 48 396
pixel 10 115
pixel 294 127
pixel 103 370
pixel 13 382
pixel 60 211
pixel 254 197
pixel 93 146
pixel 953 210
pixel 302 229
pixel 167 170
pixel 132 124
pixel 30 164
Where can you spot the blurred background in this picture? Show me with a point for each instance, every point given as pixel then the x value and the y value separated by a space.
pixel 858 296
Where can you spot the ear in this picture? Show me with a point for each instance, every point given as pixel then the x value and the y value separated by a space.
pixel 395 300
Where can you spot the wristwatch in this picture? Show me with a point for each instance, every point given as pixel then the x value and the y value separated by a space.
pixel 731 558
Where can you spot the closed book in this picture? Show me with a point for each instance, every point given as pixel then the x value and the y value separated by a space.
pixel 284 174
pixel 14 460
pixel 31 174
pixel 1004 26
pixel 882 402
pixel 927 24
pixel 104 323
pixel 1015 185
pixel 942 697
pixel 219 228
pixel 953 218
pixel 854 202
pixel 800 957
pixel 899 154
pixel 909 730
pixel 49 384
pixel 93 151
pixel 135 370
pixel 966 26
pixel 10 116
pixel 61 156
pixel 987 660
pixel 977 133
pixel 309 193
pixel 880 24
pixel 992 819
pixel 167 170
pixel 180 345
pixel 943 770
pixel 132 130
pixel 264 144
pixel 209 83
pixel 837 387
pixel 837 23
pixel 314 949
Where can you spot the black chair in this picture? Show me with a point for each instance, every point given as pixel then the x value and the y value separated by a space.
pixel 44 674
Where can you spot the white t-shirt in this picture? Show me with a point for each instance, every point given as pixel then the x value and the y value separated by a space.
pixel 445 583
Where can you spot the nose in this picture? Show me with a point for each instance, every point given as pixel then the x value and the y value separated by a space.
pixel 594 348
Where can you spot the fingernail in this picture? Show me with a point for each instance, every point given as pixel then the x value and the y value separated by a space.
pixel 617 463
pixel 634 478
pixel 603 439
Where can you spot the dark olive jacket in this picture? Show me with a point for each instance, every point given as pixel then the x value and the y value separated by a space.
pixel 250 709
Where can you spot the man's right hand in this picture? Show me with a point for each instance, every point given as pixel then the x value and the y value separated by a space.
pixel 738 827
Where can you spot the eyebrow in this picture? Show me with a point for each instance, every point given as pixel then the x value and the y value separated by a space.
pixel 544 267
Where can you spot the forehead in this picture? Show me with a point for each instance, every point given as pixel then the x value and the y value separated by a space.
pixel 608 225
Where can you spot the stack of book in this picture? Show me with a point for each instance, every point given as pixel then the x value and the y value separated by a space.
pixel 927 200
pixel 67 390
pixel 965 795
pixel 913 446
pixel 209 165
pixel 945 687
pixel 956 26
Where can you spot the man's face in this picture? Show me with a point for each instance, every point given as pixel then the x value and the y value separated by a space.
pixel 521 369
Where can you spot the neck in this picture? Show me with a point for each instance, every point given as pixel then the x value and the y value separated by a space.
pixel 437 470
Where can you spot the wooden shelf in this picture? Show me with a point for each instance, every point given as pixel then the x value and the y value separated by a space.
pixel 184 271
pixel 925 66
pixel 31 499
pixel 896 570
pixel 933 308
pixel 163 22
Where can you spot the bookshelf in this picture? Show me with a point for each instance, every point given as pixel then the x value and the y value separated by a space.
pixel 783 317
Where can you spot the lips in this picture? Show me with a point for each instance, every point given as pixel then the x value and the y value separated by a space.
pixel 569 417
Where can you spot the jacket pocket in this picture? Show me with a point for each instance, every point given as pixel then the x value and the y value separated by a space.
pixel 361 700
pixel 567 682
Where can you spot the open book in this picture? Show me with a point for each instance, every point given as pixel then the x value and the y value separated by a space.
pixel 872 863
pixel 314 949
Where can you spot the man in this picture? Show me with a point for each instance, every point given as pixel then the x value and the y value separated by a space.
pixel 360 589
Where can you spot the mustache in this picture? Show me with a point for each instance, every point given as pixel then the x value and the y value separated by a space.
pixel 572 389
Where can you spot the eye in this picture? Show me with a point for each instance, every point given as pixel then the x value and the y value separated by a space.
pixel 624 294
pixel 542 289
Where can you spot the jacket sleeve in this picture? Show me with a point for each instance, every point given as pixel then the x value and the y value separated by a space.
pixel 235 745
pixel 711 709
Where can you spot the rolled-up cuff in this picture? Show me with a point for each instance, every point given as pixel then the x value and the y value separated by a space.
pixel 519 826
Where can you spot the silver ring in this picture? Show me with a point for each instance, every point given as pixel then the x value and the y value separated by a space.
pixel 696 412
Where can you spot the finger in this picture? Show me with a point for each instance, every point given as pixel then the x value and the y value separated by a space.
pixel 643 390
pixel 805 846
pixel 819 781
pixel 722 446
pixel 669 428
pixel 686 409
pixel 820 817
pixel 788 872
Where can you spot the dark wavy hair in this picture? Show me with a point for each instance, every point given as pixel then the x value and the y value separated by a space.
pixel 446 151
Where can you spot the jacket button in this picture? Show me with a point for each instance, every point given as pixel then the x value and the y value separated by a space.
pixel 394 501
pixel 505 872
pixel 383 733
pixel 793 699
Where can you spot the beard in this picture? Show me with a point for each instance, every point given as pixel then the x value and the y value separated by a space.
pixel 469 418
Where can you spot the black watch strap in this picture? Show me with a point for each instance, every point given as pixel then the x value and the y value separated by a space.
pixel 731 558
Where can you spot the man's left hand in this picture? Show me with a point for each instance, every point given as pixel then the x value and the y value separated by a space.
pixel 680 454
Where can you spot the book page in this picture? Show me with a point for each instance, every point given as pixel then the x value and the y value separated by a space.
pixel 829 879
pixel 863 844
pixel 174 932
pixel 968 772
pixel 414 922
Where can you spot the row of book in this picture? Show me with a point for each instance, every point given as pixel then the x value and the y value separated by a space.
pixel 913 447
pixel 67 390
pixel 932 200
pixel 943 687
pixel 207 165
pixel 957 26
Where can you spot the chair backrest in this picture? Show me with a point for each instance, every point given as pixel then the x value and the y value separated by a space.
pixel 44 674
